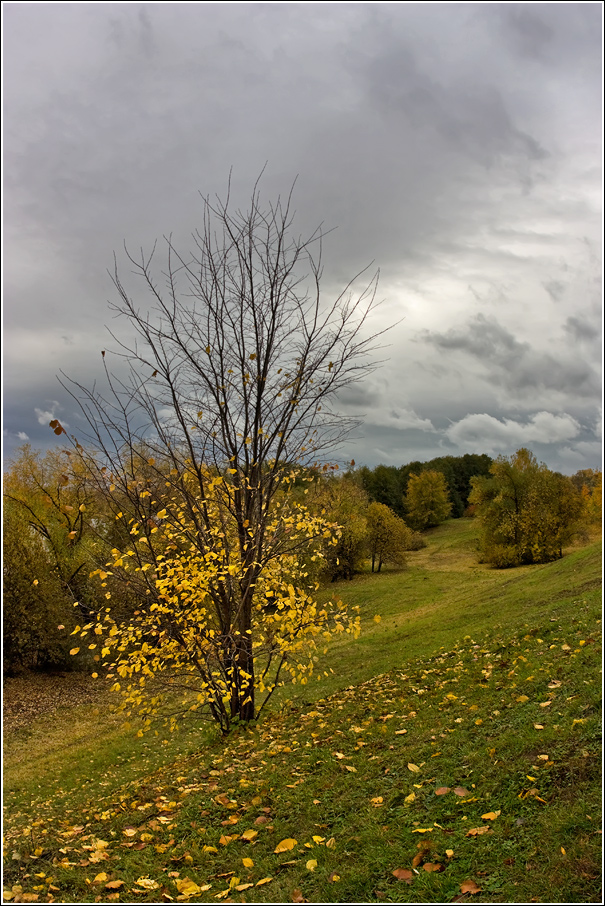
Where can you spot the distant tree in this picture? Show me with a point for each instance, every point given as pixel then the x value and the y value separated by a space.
pixel 527 512
pixel 457 471
pixel 589 482
pixel 384 484
pixel 343 502
pixel 427 500
pixel 50 547
pixel 388 537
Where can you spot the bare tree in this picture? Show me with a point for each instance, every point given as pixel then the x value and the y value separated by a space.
pixel 235 370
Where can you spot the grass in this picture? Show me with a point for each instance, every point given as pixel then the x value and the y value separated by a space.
pixel 458 740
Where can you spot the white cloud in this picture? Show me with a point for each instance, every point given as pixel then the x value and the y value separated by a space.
pixel 483 431
pixel 45 416
pixel 396 417
pixel 22 436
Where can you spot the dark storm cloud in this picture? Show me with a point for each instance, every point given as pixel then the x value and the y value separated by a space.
pixel 456 145
pixel 516 365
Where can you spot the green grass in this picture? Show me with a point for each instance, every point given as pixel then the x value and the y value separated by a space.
pixel 487 682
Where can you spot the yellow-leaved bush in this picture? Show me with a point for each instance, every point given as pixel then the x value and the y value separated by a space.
pixel 230 609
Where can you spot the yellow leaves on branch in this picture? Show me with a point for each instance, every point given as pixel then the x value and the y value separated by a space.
pixel 194 624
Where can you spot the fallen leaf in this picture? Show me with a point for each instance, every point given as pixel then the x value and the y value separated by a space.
pixel 523 698
pixel 409 799
pixel 147 883
pixel 248 863
pixel 400 732
pixel 449 853
pixel 422 830
pixel 433 866
pixel 349 767
pixel 249 834
pixel 403 874
pixel 377 801
pixel 334 877
pixel 442 791
pixel 414 768
pixel 114 885
pixel 285 845
pixel 241 887
pixel 297 897
pixel 263 881
pixel 491 816
pixel 469 887
pixel 460 791
pixel 189 888
pixel 477 831
pixel 102 876
pixel 311 865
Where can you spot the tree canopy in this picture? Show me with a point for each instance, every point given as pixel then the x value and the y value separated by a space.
pixel 527 512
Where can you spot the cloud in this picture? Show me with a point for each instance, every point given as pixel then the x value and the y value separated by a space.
pixel 396 417
pixel 518 367
pixel 487 433
pixel 45 416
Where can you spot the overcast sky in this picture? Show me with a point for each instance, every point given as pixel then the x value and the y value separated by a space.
pixel 457 146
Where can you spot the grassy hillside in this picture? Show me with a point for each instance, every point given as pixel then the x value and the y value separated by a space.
pixel 454 752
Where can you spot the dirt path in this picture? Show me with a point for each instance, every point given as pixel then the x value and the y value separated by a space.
pixel 34 695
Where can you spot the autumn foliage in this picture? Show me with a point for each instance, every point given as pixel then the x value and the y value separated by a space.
pixel 527 512
pixel 219 629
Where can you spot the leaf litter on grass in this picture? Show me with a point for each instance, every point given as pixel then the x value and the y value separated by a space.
pixel 198 798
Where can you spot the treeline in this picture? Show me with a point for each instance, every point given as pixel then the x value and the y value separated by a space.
pixel 389 484
pixel 60 532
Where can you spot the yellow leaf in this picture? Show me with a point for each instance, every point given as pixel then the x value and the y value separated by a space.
pixel 248 863
pixel 563 851
pixel 263 881
pixel 311 864
pixel 409 799
pixel 188 887
pixel 523 698
pixel 285 846
pixel 349 767
pixel 147 883
pixel 377 618
pixel 422 830
pixel 74 650
pixel 449 853
pixel 249 834
pixel 241 887
pixel 102 876
pixel 414 768
pixel 317 839
pixel 491 816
